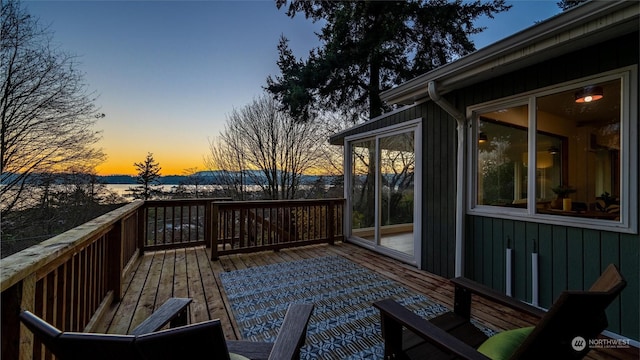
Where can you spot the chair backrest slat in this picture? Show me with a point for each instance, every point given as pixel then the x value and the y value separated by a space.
pixel 573 314
pixel 608 281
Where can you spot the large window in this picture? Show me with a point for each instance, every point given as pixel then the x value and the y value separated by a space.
pixel 557 154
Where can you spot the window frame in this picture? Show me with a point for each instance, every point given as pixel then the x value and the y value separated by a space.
pixel 628 158
pixel 415 126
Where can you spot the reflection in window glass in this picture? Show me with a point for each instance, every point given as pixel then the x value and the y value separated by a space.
pixel 397 165
pixel 549 165
pixel 397 174
pixel 583 139
pixel 502 143
pixel 363 188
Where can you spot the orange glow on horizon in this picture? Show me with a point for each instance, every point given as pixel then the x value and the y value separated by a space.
pixel 126 167
pixel 123 153
pixel 172 161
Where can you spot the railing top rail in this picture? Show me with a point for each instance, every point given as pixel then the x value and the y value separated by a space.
pixel 173 202
pixel 16 267
pixel 294 202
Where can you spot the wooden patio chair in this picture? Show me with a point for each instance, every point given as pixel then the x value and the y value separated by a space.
pixel 206 341
pixel 578 315
pixel 203 340
pixel 78 345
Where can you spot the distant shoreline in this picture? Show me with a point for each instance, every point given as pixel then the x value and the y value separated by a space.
pixel 205 177
pixel 131 179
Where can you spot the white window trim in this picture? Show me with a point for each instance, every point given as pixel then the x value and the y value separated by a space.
pixel 628 161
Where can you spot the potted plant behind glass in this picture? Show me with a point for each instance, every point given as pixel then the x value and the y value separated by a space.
pixel 562 201
pixel 607 203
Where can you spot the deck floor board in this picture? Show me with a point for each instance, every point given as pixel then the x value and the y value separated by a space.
pixel 146 303
pixel 190 273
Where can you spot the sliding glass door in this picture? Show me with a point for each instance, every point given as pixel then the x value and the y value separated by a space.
pixel 396 188
pixel 382 192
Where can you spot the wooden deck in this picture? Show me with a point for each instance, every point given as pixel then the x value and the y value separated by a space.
pixel 189 273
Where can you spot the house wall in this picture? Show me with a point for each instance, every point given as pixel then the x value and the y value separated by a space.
pixel 569 257
pixel 438 190
pixel 439 142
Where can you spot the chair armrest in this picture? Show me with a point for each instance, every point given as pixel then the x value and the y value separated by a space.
pixel 393 312
pixel 173 310
pixel 470 286
pixel 42 330
pixel 293 332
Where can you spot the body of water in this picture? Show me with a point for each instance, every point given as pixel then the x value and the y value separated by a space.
pixel 121 189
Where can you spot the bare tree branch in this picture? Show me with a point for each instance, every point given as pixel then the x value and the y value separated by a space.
pixel 46 112
pixel 263 146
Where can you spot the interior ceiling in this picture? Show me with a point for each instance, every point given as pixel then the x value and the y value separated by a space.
pixel 604 110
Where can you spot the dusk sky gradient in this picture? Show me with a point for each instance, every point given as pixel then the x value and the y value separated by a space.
pixel 167 73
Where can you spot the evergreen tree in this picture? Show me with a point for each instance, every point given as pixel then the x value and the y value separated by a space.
pixel 148 177
pixel 370 46
pixel 568 4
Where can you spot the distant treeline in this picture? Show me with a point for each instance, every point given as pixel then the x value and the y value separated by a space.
pixel 130 179
pixel 204 177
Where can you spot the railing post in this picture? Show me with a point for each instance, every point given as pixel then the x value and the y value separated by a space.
pixel 242 223
pixel 142 227
pixel 27 302
pixel 17 340
pixel 114 245
pixel 330 222
pixel 212 224
pixel 208 223
pixel 338 218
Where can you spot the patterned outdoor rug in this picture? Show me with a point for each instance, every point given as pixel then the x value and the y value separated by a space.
pixel 344 324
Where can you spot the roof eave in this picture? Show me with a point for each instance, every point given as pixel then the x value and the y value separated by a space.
pixel 562 33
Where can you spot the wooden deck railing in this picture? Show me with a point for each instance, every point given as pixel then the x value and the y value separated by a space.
pixel 271 225
pixel 176 223
pixel 71 279
pixel 68 280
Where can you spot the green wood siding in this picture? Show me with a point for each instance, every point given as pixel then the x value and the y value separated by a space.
pixel 569 258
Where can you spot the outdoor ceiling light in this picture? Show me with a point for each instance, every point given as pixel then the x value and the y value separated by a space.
pixel 589 94
pixel 553 150
pixel 482 138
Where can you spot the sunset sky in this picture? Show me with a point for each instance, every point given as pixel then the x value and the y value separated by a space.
pixel 167 73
